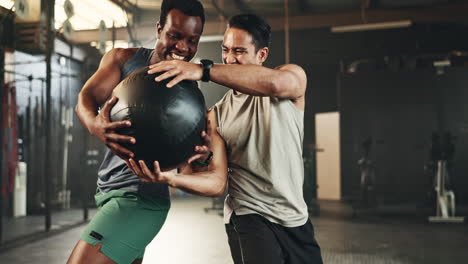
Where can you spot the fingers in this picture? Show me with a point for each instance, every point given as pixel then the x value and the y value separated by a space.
pixel 206 138
pixel 194 158
pixel 137 171
pixel 157 169
pixel 202 149
pixel 122 156
pixel 108 106
pixel 118 124
pixel 167 75
pixel 147 171
pixel 135 168
pixel 160 67
pixel 209 126
pixel 120 151
pixel 117 137
pixel 175 81
pixel 129 165
pixel 120 138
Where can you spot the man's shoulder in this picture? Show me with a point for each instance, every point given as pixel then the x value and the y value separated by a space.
pixel 224 99
pixel 118 56
pixel 122 55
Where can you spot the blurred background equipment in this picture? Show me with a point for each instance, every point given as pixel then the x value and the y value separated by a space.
pixel 442 153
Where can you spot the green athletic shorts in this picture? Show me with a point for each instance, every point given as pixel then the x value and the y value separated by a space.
pixel 125 224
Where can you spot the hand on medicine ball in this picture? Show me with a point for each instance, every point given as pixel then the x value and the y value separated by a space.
pixel 156 176
pixel 202 152
pixel 104 130
pixel 180 70
pixel 146 175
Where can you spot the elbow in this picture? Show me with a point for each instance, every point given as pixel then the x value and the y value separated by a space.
pixel 286 84
pixel 219 189
pixel 219 193
pixel 80 111
pixel 77 106
pixel 276 87
pixel 77 109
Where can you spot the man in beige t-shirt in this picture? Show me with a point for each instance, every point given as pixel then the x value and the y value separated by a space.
pixel 256 133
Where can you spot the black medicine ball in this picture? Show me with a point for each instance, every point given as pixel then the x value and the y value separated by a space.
pixel 166 122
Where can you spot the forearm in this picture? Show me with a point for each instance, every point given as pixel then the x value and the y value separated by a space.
pixel 99 87
pixel 209 183
pixel 86 110
pixel 192 168
pixel 249 79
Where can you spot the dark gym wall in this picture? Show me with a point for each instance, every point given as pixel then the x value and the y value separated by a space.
pixel 454 84
pixel 323 53
pixel 400 111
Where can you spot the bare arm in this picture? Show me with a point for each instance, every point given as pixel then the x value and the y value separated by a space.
pixel 94 94
pixel 211 182
pixel 287 81
pixel 98 88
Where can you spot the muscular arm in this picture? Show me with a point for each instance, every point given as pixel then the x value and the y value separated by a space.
pixel 99 88
pixel 287 81
pixel 211 182
pixel 94 94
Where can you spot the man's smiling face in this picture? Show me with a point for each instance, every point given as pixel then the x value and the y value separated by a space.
pixel 178 38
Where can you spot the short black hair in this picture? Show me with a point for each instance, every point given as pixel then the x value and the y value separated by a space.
pixel 256 26
pixel 188 7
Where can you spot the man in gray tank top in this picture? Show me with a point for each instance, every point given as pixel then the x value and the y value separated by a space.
pixel 257 131
pixel 131 212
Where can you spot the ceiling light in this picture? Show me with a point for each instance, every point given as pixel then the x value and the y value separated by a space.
pixel 372 26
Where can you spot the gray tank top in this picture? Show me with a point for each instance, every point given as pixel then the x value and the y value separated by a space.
pixel 263 138
pixel 113 173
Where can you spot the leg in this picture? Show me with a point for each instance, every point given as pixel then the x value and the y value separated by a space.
pixel 299 244
pixel 233 240
pixel 84 253
pixel 122 228
pixel 252 241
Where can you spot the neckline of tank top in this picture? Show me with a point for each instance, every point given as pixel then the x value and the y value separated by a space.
pixel 148 60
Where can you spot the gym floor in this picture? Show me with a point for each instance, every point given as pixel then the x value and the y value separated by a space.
pixel 191 236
